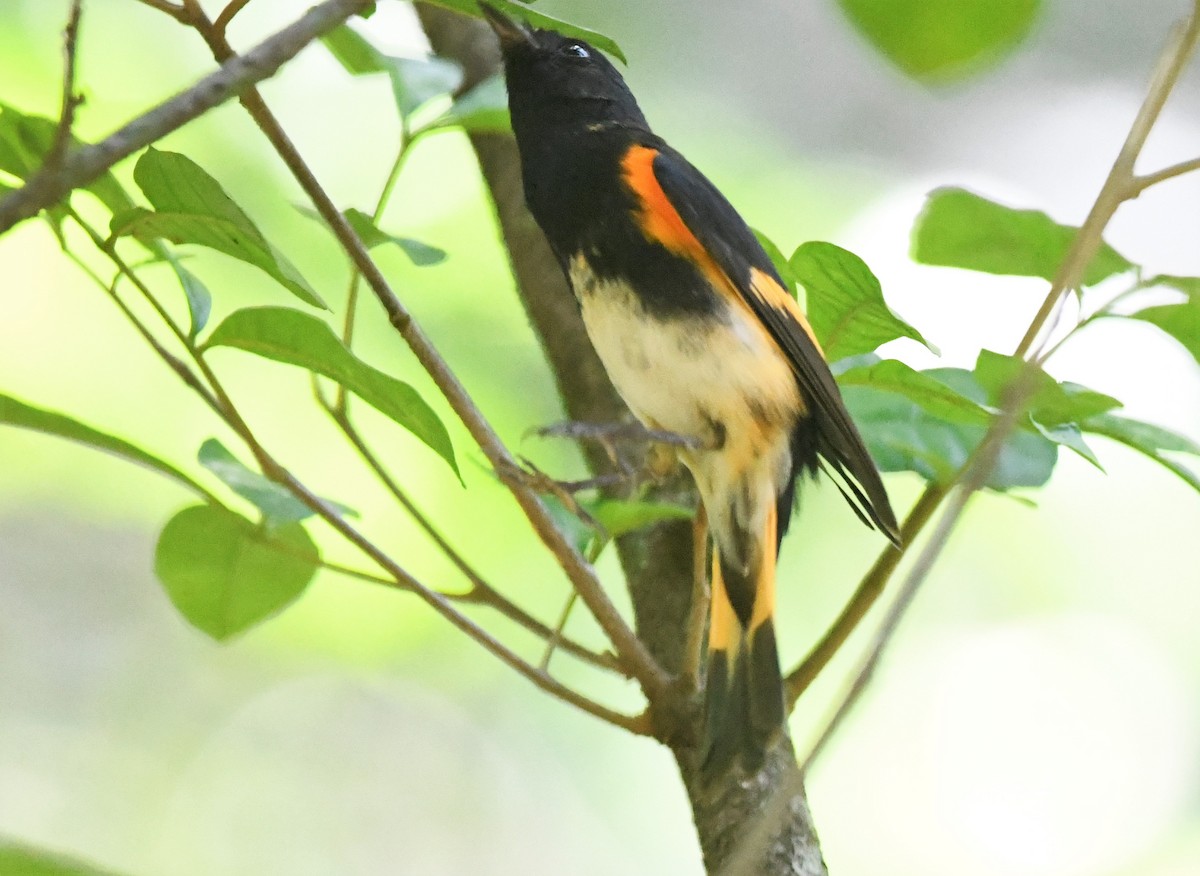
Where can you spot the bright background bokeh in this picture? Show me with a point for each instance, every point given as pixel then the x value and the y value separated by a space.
pixel 1040 712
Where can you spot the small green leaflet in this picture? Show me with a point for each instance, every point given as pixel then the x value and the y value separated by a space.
pixel 17 413
pixel 199 299
pixel 296 338
pixel 224 574
pixel 420 254
pixel 959 229
pixel 1180 321
pixel 415 81
pixel 845 302
pixel 1054 410
pixel 1052 403
pixel 483 109
pixel 1153 441
pixel 935 397
pixel 932 421
pixel 902 435
pixel 621 516
pixel 537 19
pixel 22 860
pixel 276 503
pixel 191 207
pixel 943 40
pixel 617 517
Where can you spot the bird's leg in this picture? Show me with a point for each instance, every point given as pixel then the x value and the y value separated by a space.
pixel 660 460
pixel 698 614
pixel 609 435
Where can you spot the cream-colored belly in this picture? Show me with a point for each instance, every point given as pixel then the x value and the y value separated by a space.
pixel 719 379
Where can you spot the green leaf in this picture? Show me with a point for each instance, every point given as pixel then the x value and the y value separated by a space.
pixel 414 80
pixel 275 502
pixel 621 516
pixel 1180 321
pixel 537 19
pixel 199 299
pixel 845 302
pixel 904 436
pixel 483 109
pixel 24 142
pixel 1069 435
pixel 296 338
pixel 1146 438
pixel 191 207
pixel 17 413
pixel 224 574
pixel 419 253
pixel 21 860
pixel 351 49
pixel 779 260
pixel 934 396
pixel 1052 403
pixel 959 229
pixel 942 40
pixel 1190 286
pixel 417 81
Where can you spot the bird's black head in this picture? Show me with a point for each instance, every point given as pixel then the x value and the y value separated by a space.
pixel 555 80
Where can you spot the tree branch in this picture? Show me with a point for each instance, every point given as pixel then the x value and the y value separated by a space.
pixel 83 165
pixel 1117 189
pixel 631 653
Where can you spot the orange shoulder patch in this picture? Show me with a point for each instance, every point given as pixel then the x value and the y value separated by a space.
pixel 659 220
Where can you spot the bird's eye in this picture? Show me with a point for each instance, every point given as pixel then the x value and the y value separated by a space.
pixel 576 51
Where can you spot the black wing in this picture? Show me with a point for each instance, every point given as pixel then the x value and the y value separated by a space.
pixel 731 243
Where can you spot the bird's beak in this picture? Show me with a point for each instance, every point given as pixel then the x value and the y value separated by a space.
pixel 511 33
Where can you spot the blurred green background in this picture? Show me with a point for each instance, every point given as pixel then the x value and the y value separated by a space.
pixel 1040 713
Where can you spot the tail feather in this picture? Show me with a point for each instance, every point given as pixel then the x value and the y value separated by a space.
pixel 744 710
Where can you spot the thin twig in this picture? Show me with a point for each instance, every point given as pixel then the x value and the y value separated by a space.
pixel 228 13
pixel 557 638
pixel 1141 183
pixel 70 100
pixel 175 364
pixel 389 185
pixel 83 165
pixel 1083 248
pixel 869 590
pixel 630 651
pixel 175 10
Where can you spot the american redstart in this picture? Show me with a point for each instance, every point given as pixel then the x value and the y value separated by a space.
pixel 700 338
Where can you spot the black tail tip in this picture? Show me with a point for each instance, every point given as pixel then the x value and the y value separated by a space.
pixel 744 709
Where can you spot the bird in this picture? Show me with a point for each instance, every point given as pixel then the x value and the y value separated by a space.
pixel 700 338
